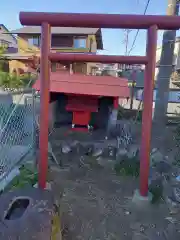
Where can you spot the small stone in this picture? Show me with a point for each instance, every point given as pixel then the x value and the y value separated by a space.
pixel 66 149
pixel 133 151
pixel 89 150
pixel 176 192
pixel 163 167
pixel 127 213
pixel 122 152
pixel 156 184
pixel 171 219
pixel 154 150
pixel 97 152
pixel 154 175
pixel 110 152
pixel 106 163
pixel 156 156
pixel 153 225
pixel 172 205
pixel 142 229
pixel 74 143
pixel 48 186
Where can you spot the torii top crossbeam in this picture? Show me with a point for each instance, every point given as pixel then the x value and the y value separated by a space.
pixel 100 20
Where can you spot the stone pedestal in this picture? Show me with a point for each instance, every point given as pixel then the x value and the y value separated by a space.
pixel 29 214
pixel 141 201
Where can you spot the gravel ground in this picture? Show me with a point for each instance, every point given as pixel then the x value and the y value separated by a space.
pixel 96 205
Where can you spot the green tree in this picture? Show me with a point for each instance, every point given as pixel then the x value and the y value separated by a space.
pixel 11 81
pixel 2 58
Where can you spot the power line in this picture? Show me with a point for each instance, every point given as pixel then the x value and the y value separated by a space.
pixel 135 38
pixel 127 32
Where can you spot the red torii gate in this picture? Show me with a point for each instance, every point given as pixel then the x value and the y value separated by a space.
pixel 150 22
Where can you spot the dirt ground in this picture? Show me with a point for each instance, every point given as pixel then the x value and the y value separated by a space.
pixel 96 205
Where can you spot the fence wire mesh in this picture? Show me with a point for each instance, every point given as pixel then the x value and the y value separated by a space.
pixel 16 130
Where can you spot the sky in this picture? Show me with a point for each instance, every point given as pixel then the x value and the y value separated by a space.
pixel 113 39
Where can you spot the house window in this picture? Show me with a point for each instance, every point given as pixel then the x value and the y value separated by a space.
pixel 93 70
pixel 79 42
pixel 4 43
pixel 61 41
pixel 80 68
pixel 61 67
pixel 55 67
pixel 34 41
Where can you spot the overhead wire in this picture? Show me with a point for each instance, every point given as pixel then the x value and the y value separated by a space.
pixel 137 33
pixel 133 44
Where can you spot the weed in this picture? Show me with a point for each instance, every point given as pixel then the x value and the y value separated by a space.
pixel 128 166
pixel 157 193
pixel 26 177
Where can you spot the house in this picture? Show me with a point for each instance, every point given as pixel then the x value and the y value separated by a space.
pixel 23 60
pixel 110 69
pixel 9 44
pixel 7 40
pixel 174 93
pixel 17 51
pixel 176 63
pixel 76 40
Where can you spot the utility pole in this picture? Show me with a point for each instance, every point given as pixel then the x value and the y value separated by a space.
pixel 134 73
pixel 126 40
pixel 165 71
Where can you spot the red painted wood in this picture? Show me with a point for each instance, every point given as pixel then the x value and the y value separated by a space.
pixel 81 118
pixel 82 103
pixel 79 57
pixel 81 107
pixel 82 99
pixel 87 85
pixel 93 20
pixel 116 102
pixel 147 112
pixel 44 105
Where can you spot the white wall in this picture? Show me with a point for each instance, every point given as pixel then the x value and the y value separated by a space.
pixel 173 107
pixel 176 56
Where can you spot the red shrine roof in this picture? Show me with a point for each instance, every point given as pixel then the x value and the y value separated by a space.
pixel 87 85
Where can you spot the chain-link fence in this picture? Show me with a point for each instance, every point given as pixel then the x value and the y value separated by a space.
pixel 17 135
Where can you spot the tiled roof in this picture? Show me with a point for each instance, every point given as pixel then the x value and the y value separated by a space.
pixel 84 84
